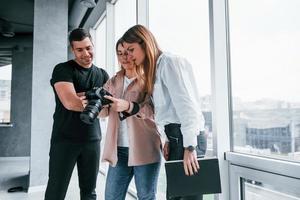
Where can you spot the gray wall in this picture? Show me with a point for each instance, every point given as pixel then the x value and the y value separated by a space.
pixel 49 48
pixel 15 141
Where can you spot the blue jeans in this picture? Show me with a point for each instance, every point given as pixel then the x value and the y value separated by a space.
pixel 119 177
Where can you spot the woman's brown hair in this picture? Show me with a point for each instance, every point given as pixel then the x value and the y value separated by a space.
pixel 140 34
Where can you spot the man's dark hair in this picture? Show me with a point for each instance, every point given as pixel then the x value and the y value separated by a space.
pixel 79 34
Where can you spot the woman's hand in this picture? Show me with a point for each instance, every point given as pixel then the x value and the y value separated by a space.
pixel 190 162
pixel 166 150
pixel 118 105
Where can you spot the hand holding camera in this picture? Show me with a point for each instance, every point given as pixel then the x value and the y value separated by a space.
pixel 99 98
pixel 96 101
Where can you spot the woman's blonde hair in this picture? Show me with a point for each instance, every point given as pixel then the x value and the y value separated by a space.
pixel 138 69
pixel 140 34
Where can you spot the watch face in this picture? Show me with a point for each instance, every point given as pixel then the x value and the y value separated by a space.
pixel 191 148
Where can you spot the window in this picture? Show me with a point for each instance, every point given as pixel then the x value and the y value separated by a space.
pixel 170 22
pixel 264 71
pixel 254 190
pixel 100 46
pixel 100 61
pixel 5 94
pixel 125 17
pixel 258 185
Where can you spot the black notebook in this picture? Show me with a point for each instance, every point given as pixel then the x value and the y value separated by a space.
pixel 206 181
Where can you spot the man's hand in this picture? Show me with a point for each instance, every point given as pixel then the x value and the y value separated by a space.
pixel 190 163
pixel 84 101
pixel 80 94
pixel 166 150
pixel 118 105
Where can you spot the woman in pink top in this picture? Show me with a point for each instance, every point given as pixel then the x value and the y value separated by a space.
pixel 132 145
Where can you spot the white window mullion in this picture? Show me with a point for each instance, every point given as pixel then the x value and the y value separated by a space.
pixel 110 38
pixel 143 12
pixel 220 90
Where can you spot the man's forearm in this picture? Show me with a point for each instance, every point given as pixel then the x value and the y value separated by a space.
pixel 74 105
pixel 68 97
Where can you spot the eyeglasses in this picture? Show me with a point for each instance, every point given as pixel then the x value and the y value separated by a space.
pixel 124 54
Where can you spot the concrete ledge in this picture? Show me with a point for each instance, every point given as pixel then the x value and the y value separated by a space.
pixel 25 158
pixel 40 188
pixel 6 125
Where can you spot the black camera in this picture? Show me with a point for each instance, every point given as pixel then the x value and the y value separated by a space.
pixel 96 101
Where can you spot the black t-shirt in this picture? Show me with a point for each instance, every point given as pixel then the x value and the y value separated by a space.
pixel 67 124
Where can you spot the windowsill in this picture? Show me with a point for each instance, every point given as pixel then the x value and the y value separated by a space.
pixel 282 167
pixel 6 124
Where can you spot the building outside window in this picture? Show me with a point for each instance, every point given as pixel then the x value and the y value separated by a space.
pixel 264 71
pixel 5 94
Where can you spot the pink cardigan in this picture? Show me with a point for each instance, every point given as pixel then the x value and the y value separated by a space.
pixel 144 139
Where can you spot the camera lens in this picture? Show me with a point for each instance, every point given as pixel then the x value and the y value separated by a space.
pixel 95 102
pixel 91 111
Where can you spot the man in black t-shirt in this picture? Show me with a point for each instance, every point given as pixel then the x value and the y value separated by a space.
pixel 73 141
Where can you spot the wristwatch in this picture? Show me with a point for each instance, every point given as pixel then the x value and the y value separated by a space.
pixel 190 148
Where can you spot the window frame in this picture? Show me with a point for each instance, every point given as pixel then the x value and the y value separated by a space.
pixel 277 180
